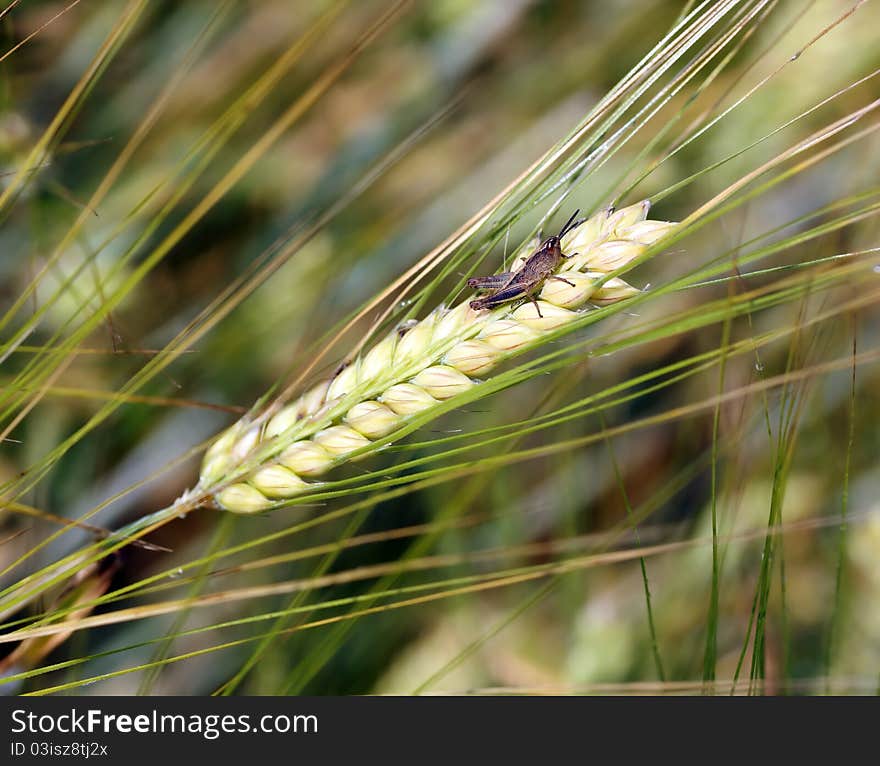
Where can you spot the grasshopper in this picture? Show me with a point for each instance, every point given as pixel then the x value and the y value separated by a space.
pixel 526 281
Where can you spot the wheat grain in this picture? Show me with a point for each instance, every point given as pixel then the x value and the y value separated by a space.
pixel 261 460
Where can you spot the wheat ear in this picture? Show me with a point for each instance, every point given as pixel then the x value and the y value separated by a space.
pixel 261 460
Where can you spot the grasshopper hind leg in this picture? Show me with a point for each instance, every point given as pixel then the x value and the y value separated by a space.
pixel 494 282
pixel 502 295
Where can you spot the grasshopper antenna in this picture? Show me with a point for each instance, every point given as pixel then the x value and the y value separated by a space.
pixel 568 226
